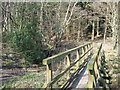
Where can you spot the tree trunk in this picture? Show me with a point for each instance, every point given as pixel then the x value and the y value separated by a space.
pixel 114 29
pixel 78 34
pixel 118 30
pixel 67 33
pixel 9 21
pixel 97 27
pixel 105 32
pixel 73 31
pixel 93 27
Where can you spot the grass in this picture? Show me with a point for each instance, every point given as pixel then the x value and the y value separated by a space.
pixel 8 62
pixel 32 80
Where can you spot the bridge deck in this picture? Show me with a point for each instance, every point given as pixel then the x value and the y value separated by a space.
pixel 81 80
pixel 82 77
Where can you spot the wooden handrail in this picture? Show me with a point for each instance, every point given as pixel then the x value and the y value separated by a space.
pixel 94 58
pixel 57 77
pixel 54 59
pixel 94 70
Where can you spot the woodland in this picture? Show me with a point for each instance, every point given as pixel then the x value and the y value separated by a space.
pixel 33 31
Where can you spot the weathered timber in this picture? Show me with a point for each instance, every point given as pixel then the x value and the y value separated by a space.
pixel 62 73
pixel 68 65
pixel 97 70
pixel 56 58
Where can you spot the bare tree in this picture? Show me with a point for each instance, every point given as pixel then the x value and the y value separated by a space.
pixel 118 30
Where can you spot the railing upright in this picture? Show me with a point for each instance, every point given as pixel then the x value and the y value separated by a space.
pixel 95 78
pixel 51 61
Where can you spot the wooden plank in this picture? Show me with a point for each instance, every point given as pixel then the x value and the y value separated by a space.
pixel 83 79
pixel 55 58
pixel 62 73
pixel 90 81
pixel 73 75
pixel 95 67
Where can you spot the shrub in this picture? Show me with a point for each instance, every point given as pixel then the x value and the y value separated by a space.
pixel 26 37
pixel 28 43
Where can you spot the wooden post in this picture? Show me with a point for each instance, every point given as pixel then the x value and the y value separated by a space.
pixel 98 60
pixel 89 46
pixel 83 52
pixel 84 49
pixel 68 64
pixel 89 51
pixel 78 56
pixel 49 73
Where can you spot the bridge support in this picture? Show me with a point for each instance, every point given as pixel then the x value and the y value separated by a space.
pixel 68 64
pixel 77 58
pixel 49 73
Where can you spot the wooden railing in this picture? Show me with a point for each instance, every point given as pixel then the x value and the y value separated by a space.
pixel 97 70
pixel 80 53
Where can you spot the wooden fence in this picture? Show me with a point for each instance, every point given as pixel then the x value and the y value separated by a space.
pixel 81 52
pixel 98 77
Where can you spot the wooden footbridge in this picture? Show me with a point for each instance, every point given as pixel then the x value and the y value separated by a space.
pixel 80 67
